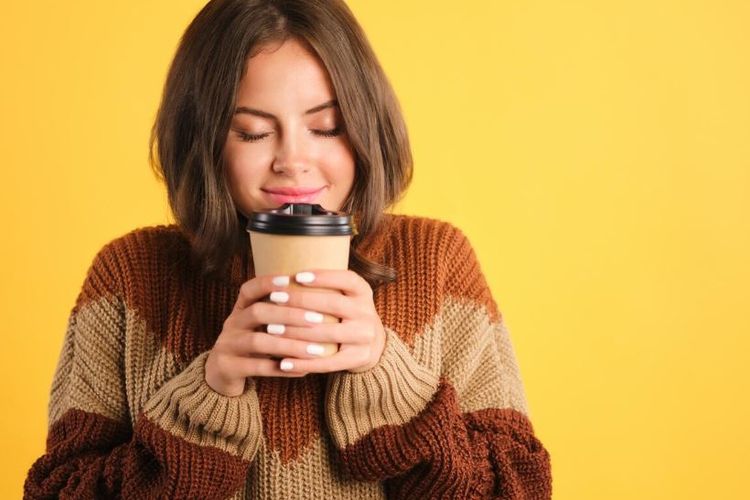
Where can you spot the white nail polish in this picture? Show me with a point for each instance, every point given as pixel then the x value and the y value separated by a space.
pixel 315 349
pixel 305 277
pixel 280 280
pixel 279 297
pixel 275 329
pixel 313 317
pixel 286 365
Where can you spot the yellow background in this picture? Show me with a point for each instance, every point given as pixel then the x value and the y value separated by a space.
pixel 595 152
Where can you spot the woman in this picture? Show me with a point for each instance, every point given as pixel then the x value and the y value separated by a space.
pixel 176 378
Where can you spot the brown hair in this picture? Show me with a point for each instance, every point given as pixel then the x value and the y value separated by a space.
pixel 198 102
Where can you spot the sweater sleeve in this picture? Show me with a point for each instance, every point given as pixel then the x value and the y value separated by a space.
pixel 187 441
pixel 457 431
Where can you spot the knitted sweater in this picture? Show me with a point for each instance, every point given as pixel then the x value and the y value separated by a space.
pixel 442 414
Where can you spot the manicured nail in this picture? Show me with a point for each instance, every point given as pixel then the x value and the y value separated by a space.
pixel 306 277
pixel 313 317
pixel 286 365
pixel 280 280
pixel 279 297
pixel 275 329
pixel 315 349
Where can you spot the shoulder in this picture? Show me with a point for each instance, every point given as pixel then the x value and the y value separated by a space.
pixel 435 268
pixel 137 253
pixel 146 245
pixel 437 241
pixel 439 254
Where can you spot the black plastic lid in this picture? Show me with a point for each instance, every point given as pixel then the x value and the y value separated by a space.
pixel 302 218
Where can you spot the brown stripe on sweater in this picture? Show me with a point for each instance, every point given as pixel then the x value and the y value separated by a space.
pixel 463 276
pixel 291 409
pixel 111 463
pixel 446 454
pixel 520 464
pixel 102 278
pixel 417 267
pixel 75 436
pixel 213 473
pixel 374 245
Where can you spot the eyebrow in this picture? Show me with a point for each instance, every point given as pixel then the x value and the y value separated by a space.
pixel 250 111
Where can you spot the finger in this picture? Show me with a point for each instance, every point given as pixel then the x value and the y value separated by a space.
pixel 348 332
pixel 264 344
pixel 259 314
pixel 259 367
pixel 347 281
pixel 258 288
pixel 334 304
pixel 344 359
pixel 239 367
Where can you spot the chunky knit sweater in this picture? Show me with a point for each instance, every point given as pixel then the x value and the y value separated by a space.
pixel 442 414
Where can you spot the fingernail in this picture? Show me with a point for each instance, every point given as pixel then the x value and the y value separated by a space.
pixel 275 329
pixel 280 280
pixel 305 277
pixel 315 349
pixel 286 365
pixel 313 317
pixel 279 297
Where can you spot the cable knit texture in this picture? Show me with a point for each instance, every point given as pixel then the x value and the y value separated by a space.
pixel 442 415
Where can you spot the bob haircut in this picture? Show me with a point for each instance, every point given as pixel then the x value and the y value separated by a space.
pixel 198 102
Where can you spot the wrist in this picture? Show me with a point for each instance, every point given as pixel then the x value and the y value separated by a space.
pixel 375 356
pixel 219 384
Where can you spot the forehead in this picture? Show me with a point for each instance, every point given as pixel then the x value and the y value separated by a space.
pixel 285 74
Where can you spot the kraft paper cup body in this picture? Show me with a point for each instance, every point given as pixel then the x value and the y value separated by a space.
pixel 286 255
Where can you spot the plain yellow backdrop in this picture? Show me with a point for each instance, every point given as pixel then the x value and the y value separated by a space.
pixel 595 152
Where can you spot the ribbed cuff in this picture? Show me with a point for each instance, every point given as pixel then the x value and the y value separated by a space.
pixel 187 407
pixel 393 392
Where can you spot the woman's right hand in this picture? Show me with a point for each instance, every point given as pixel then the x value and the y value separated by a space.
pixel 243 349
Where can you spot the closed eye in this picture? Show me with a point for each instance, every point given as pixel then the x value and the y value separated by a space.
pixel 245 137
pixel 251 137
pixel 328 133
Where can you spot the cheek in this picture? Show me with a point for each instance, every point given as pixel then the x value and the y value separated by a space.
pixel 243 176
pixel 240 165
pixel 341 159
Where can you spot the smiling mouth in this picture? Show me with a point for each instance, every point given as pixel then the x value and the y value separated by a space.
pixel 293 195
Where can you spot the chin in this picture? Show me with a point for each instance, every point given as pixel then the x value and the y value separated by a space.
pixel 333 207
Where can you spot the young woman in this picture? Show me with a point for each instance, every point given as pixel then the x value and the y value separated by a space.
pixel 178 379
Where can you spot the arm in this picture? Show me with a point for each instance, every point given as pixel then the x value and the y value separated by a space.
pixel 188 441
pixel 457 430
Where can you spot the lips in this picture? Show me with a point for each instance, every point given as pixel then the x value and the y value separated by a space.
pixel 283 195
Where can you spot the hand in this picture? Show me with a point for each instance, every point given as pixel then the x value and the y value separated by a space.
pixel 360 332
pixel 243 349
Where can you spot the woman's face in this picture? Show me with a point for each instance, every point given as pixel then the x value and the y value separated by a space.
pixel 287 141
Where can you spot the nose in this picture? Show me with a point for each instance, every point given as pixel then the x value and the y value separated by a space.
pixel 291 156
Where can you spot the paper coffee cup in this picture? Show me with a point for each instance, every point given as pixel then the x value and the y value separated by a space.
pixel 300 237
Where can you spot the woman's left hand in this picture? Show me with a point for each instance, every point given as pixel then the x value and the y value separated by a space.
pixel 360 331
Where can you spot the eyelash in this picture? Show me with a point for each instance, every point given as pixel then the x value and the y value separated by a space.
pixel 322 133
